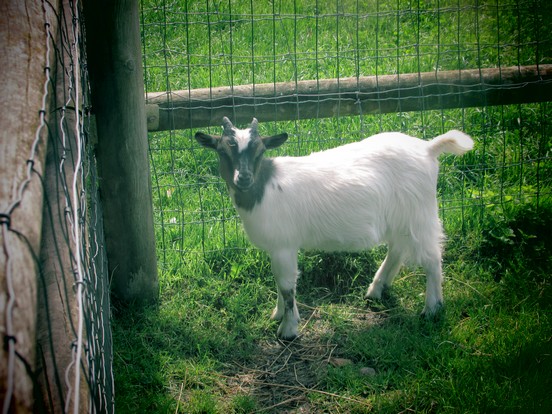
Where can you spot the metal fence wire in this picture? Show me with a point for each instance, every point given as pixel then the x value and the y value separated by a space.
pixel 73 331
pixel 273 60
pixel 79 290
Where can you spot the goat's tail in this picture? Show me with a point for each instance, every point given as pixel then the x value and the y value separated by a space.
pixel 454 141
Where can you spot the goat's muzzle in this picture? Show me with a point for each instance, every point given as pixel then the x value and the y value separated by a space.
pixel 243 180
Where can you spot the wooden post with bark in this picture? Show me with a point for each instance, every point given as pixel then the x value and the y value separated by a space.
pixel 116 75
pixel 23 136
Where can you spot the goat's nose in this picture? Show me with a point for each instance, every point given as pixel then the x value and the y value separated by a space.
pixel 243 179
pixel 246 175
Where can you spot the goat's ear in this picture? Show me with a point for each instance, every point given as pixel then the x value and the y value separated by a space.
pixel 206 140
pixel 274 141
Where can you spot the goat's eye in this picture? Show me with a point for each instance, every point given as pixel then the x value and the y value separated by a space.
pixel 227 149
pixel 224 152
pixel 259 151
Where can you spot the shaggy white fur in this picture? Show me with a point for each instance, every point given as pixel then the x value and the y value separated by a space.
pixel 350 198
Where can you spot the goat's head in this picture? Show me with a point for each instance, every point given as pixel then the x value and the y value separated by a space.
pixel 240 152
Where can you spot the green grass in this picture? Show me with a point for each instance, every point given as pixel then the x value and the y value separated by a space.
pixel 489 352
pixel 208 346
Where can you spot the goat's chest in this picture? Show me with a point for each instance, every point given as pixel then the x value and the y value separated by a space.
pixel 268 226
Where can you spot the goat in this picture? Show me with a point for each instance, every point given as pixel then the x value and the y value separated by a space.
pixel 378 190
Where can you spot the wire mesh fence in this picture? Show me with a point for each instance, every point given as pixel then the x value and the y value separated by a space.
pixel 199 55
pixel 75 348
pixel 69 367
pixel 75 335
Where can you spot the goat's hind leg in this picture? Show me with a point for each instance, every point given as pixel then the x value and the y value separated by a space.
pixel 434 287
pixel 284 267
pixel 386 273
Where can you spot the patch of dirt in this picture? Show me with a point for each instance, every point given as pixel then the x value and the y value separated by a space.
pixel 281 375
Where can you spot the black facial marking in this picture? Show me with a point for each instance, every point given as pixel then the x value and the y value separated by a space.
pixel 254 171
pixel 248 199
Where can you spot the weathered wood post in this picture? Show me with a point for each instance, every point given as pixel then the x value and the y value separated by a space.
pixel 23 135
pixel 116 75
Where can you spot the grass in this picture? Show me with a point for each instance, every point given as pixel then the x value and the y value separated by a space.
pixel 490 351
pixel 208 345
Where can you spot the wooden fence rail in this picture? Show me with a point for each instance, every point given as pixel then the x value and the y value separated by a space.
pixel 349 96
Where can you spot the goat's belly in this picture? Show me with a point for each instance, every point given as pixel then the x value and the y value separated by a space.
pixel 270 235
pixel 345 237
pixel 339 244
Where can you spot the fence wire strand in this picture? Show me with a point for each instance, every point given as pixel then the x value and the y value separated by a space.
pixel 89 344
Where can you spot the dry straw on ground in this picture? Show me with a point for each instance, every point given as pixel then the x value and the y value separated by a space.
pixel 283 376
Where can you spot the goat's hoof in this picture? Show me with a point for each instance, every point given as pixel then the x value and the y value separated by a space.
pixel 379 302
pixel 286 334
pixel 377 292
pixel 433 313
pixel 373 294
pixel 287 338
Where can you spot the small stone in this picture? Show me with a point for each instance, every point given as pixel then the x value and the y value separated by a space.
pixel 367 371
pixel 340 362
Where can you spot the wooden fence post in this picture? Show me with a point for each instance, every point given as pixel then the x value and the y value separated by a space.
pixel 23 136
pixel 116 75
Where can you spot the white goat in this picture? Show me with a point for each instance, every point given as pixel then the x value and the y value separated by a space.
pixel 350 198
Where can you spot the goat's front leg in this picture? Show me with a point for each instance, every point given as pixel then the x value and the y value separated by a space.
pixel 278 312
pixel 284 267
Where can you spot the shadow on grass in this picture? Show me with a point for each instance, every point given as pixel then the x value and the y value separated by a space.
pixel 209 347
pixel 137 362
